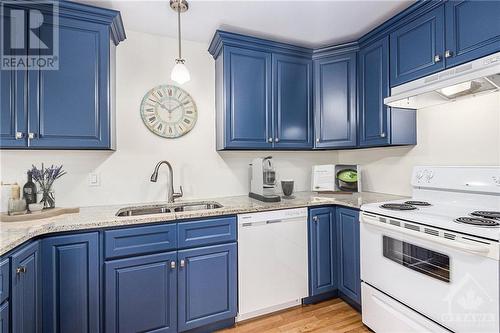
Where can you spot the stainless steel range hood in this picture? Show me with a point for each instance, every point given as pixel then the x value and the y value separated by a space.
pixel 472 78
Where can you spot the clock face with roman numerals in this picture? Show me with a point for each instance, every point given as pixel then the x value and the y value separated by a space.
pixel 168 111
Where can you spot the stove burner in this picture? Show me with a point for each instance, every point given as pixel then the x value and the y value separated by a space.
pixel 417 203
pixel 477 221
pixel 395 206
pixel 486 214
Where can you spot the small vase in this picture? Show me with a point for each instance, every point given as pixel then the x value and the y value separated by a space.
pixel 48 198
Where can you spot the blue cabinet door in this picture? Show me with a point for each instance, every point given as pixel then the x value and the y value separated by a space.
pixel 248 93
pixel 417 48
pixel 70 280
pixel 292 84
pixel 348 252
pixel 25 298
pixel 4 318
pixel 70 107
pixel 373 88
pixel 472 30
pixel 141 294
pixel 335 101
pixel 322 250
pixel 4 279
pixel 13 117
pixel 207 285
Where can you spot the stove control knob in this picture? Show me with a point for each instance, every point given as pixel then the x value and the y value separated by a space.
pixel 429 175
pixel 419 176
pixel 496 180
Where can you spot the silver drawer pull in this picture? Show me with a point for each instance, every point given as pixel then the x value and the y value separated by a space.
pixel 172 264
pixel 19 135
pixel 20 270
pixel 182 263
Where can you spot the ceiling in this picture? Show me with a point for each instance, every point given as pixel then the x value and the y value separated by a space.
pixel 308 22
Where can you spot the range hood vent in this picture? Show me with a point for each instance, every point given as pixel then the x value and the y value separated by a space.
pixel 470 79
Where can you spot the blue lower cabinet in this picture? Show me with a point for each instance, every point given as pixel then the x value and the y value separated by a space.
pixel 4 279
pixel 70 280
pixel 322 251
pixel 348 254
pixel 25 297
pixel 141 294
pixel 4 318
pixel 207 285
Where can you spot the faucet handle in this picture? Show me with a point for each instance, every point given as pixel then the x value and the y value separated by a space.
pixel 180 194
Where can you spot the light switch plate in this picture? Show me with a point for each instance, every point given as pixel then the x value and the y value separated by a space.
pixel 94 179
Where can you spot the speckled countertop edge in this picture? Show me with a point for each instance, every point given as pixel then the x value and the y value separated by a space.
pixel 13 234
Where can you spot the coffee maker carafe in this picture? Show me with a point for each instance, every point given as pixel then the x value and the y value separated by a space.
pixel 263 181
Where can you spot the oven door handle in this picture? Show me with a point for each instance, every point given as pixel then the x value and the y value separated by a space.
pixel 455 244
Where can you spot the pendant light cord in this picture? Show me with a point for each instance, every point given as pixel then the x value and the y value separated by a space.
pixel 179 25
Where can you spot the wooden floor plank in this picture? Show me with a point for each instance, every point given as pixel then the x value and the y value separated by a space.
pixel 332 316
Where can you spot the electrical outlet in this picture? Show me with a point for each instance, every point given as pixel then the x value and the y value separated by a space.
pixel 94 179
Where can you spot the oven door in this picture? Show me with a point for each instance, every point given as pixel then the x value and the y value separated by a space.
pixel 456 284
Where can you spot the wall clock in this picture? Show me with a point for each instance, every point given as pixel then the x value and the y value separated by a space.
pixel 168 111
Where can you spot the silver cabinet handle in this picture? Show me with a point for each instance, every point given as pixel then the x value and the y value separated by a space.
pixel 19 135
pixel 172 264
pixel 182 263
pixel 276 140
pixel 437 58
pixel 317 140
pixel 448 54
pixel 20 270
pixel 315 219
pixel 31 135
pixel 270 140
pixel 382 135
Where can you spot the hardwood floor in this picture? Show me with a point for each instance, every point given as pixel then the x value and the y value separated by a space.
pixel 330 316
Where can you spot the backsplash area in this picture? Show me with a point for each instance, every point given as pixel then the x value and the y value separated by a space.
pixel 124 174
pixel 464 132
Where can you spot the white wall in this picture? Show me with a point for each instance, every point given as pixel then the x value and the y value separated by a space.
pixel 465 132
pixel 144 61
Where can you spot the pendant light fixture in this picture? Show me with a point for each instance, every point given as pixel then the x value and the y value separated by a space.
pixel 180 73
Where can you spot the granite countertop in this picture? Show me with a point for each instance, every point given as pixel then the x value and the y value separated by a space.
pixel 13 234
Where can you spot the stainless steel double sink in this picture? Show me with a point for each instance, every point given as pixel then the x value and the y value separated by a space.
pixel 168 208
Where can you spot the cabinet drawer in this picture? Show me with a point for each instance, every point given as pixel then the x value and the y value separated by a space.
pixel 139 240
pixel 4 279
pixel 206 232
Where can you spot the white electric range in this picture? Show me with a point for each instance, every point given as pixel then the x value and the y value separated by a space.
pixel 431 264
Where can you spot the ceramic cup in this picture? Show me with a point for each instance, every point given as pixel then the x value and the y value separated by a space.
pixel 287 187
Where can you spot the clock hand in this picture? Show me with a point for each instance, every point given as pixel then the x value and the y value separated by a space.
pixel 178 106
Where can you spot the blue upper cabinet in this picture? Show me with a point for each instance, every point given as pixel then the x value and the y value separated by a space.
pixel 380 125
pixel 292 89
pixel 262 93
pixel 71 107
pixel 207 285
pixel 25 300
pixel 348 254
pixel 472 30
pixel 13 118
pixel 247 89
pixel 417 48
pixel 70 280
pixel 322 236
pixel 335 101
pixel 141 294
pixel 373 88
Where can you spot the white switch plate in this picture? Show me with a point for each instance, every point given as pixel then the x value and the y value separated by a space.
pixel 94 179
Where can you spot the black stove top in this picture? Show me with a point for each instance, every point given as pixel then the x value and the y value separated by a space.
pixel 478 221
pixel 486 214
pixel 417 203
pixel 396 206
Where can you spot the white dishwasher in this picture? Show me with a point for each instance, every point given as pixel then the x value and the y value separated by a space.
pixel 272 261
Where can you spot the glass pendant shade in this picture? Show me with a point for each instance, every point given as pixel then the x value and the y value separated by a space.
pixel 180 73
